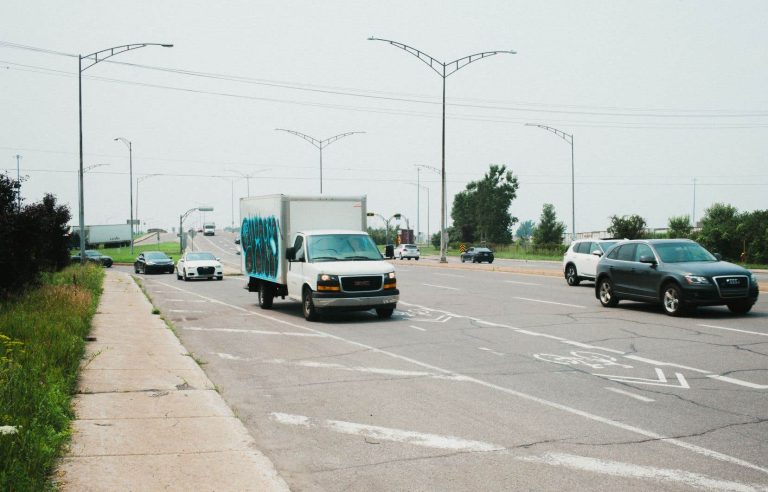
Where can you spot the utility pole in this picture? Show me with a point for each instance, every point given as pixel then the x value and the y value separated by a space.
pixel 693 215
pixel 18 180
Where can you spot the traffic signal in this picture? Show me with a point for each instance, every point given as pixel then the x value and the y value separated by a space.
pixel 370 214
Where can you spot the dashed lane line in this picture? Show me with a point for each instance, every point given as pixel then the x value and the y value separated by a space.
pixel 631 395
pixel 735 329
pixel 550 302
pixel 441 287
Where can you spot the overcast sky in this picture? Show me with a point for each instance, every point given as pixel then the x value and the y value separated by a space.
pixel 656 94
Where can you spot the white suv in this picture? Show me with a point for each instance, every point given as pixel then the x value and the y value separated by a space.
pixel 580 260
pixel 407 251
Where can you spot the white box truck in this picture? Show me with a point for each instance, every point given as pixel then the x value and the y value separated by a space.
pixel 106 235
pixel 314 249
pixel 209 229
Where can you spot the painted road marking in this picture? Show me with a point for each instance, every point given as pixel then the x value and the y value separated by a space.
pixel 441 286
pixel 450 275
pixel 588 346
pixel 491 351
pixel 509 391
pixel 417 328
pixel 665 364
pixel 631 395
pixel 253 332
pixel 185 300
pixel 388 434
pixel 738 381
pixel 661 380
pixel 185 311
pixel 629 470
pixel 550 302
pixel 734 329
pixel 519 283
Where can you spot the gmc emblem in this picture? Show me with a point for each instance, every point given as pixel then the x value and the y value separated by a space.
pixel 362 283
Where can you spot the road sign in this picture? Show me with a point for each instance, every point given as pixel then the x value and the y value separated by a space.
pixel 462 247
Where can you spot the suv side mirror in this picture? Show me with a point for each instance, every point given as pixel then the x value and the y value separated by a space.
pixel 290 254
pixel 389 251
pixel 597 252
pixel 650 259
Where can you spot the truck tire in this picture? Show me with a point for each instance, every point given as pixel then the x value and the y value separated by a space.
pixel 266 295
pixel 384 312
pixel 307 306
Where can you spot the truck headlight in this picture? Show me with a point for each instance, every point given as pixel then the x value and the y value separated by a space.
pixel 390 281
pixel 328 283
pixel 696 280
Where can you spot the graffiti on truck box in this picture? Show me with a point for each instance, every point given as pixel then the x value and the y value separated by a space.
pixel 260 242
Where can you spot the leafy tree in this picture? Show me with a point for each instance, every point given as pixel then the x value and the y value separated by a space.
pixel 481 211
pixel 549 231
pixel 753 232
pixel 679 227
pixel 378 235
pixel 525 230
pixel 719 231
pixel 627 226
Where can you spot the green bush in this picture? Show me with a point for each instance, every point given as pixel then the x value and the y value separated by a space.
pixel 41 344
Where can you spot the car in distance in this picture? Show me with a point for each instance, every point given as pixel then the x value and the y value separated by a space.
pixel 209 229
pixel 679 274
pixel 153 262
pixel 581 257
pixel 407 251
pixel 477 255
pixel 199 264
pixel 93 256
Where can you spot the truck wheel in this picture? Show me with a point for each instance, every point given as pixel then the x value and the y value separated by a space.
pixel 307 306
pixel 266 295
pixel 385 312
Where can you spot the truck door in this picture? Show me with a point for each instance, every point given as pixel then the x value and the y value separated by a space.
pixel 296 269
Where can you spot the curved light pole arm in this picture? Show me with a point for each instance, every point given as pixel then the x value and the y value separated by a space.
pixel 456 65
pixel 430 61
pixel 565 136
pixel 102 55
pixel 330 140
pixel 317 143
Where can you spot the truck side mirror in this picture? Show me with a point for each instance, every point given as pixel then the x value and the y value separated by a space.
pixel 290 253
pixel 389 251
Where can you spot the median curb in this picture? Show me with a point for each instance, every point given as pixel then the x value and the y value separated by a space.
pixel 148 418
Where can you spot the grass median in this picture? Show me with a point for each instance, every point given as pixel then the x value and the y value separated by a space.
pixel 123 254
pixel 42 341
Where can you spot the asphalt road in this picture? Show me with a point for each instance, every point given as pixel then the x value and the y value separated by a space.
pixel 486 381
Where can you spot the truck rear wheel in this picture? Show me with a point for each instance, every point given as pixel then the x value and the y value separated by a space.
pixel 307 306
pixel 385 312
pixel 266 295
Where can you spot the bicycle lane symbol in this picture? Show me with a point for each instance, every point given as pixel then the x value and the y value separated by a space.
pixel 596 360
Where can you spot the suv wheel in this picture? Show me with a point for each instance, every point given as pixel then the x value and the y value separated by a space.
pixel 672 300
pixel 571 276
pixel 606 293
pixel 741 307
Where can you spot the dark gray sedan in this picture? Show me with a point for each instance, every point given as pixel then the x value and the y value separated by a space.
pixel 679 274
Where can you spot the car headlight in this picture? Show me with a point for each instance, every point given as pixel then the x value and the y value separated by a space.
pixel 696 279
pixel 328 283
pixel 217 265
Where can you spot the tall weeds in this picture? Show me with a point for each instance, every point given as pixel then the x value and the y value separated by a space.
pixel 41 343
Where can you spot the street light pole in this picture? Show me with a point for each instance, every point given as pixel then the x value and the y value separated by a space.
pixel 130 181
pixel 91 60
pixel 181 224
pixel 418 203
pixel 18 180
pixel 568 138
pixel 320 144
pixel 444 70
pixel 139 180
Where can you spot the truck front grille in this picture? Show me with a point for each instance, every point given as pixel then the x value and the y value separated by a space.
pixel 361 284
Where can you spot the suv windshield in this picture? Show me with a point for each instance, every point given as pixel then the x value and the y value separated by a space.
pixel 682 252
pixel 342 247
pixel 200 256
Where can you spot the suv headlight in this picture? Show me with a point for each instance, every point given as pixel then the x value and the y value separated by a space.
pixel 696 279
pixel 753 279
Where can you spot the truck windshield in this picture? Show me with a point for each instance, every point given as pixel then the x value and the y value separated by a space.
pixel 342 247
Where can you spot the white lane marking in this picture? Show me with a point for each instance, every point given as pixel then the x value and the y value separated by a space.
pixel 185 311
pixel 519 283
pixel 629 470
pixel 661 380
pixel 735 329
pixel 450 275
pixel 441 286
pixel 491 351
pixel 666 364
pixel 253 332
pixel 738 381
pixel 389 434
pixel 370 370
pixel 631 395
pixel 551 404
pixel 586 345
pixel 417 328
pixel 550 302
pixel 537 334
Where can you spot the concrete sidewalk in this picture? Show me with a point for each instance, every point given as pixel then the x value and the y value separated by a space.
pixel 148 417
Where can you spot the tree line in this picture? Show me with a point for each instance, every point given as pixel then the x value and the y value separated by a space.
pixel 32 238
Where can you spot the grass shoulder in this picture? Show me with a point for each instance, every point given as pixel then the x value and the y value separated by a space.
pixel 123 254
pixel 42 342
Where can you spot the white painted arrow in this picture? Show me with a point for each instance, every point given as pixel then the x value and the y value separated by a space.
pixel 661 380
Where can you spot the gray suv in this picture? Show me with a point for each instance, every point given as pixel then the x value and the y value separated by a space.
pixel 679 274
